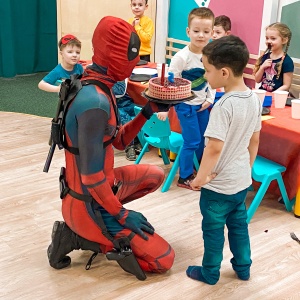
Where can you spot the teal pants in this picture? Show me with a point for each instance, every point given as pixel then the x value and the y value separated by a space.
pixel 219 210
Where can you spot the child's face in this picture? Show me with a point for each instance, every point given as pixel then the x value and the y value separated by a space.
pixel 70 54
pixel 219 32
pixel 199 32
pixel 213 76
pixel 274 39
pixel 138 7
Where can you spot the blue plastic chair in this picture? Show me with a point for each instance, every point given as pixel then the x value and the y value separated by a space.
pixel 158 134
pixel 265 171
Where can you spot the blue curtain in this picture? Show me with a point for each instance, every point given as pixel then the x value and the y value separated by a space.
pixel 28 36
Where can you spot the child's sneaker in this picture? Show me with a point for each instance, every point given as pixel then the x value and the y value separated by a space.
pixel 185 182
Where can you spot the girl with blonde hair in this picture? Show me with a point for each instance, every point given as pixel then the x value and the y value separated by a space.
pixel 274 69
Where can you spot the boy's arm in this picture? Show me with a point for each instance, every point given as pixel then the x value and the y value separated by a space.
pixel 43 85
pixel 253 146
pixel 209 160
pixel 210 98
pixel 145 31
pixel 177 65
pixel 211 94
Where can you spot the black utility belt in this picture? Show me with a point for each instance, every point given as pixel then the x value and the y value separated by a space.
pixel 64 189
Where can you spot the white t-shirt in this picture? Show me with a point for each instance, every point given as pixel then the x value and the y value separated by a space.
pixel 188 65
pixel 233 120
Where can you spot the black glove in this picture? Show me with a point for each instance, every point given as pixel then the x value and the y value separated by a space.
pixel 136 222
pixel 152 107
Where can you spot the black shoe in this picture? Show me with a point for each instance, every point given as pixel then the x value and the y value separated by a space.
pixel 60 246
pixel 130 153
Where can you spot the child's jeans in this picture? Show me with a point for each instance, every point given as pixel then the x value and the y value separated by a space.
pixel 193 125
pixel 217 210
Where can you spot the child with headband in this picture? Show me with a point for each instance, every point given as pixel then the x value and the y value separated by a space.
pixel 69 48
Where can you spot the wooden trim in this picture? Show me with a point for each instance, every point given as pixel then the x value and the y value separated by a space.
pixel 171 49
pixel 249 67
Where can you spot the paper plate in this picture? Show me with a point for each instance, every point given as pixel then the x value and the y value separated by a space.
pixel 146 71
pixel 166 101
pixel 140 77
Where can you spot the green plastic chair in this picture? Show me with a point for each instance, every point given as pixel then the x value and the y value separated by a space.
pixel 158 134
pixel 265 171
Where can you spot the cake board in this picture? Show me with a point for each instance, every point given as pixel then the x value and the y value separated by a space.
pixel 167 101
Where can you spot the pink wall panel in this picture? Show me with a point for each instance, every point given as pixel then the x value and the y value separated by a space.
pixel 246 18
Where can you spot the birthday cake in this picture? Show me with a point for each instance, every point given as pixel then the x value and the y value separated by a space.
pixel 179 89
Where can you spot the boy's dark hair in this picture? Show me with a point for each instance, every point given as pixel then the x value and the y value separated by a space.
pixel 202 13
pixel 228 51
pixel 223 21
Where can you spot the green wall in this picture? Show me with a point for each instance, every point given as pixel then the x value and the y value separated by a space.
pixel 28 36
pixel 290 15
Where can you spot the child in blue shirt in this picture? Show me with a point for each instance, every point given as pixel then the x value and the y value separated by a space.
pixel 69 48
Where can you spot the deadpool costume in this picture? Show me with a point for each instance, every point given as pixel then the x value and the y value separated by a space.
pixel 92 205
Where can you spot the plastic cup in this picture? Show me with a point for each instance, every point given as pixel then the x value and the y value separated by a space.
pixel 261 95
pixel 280 98
pixel 159 68
pixel 295 108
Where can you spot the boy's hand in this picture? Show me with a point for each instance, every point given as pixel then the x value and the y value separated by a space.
pixel 197 183
pixel 205 105
pixel 135 22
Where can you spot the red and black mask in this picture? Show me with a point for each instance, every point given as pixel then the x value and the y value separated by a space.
pixel 116 47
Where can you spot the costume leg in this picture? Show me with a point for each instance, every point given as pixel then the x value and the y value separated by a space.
pixel 187 116
pixel 138 181
pixel 238 237
pixel 154 255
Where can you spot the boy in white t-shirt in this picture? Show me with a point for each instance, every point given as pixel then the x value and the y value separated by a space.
pixel 225 171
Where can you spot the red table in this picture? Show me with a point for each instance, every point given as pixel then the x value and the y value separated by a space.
pixel 280 142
